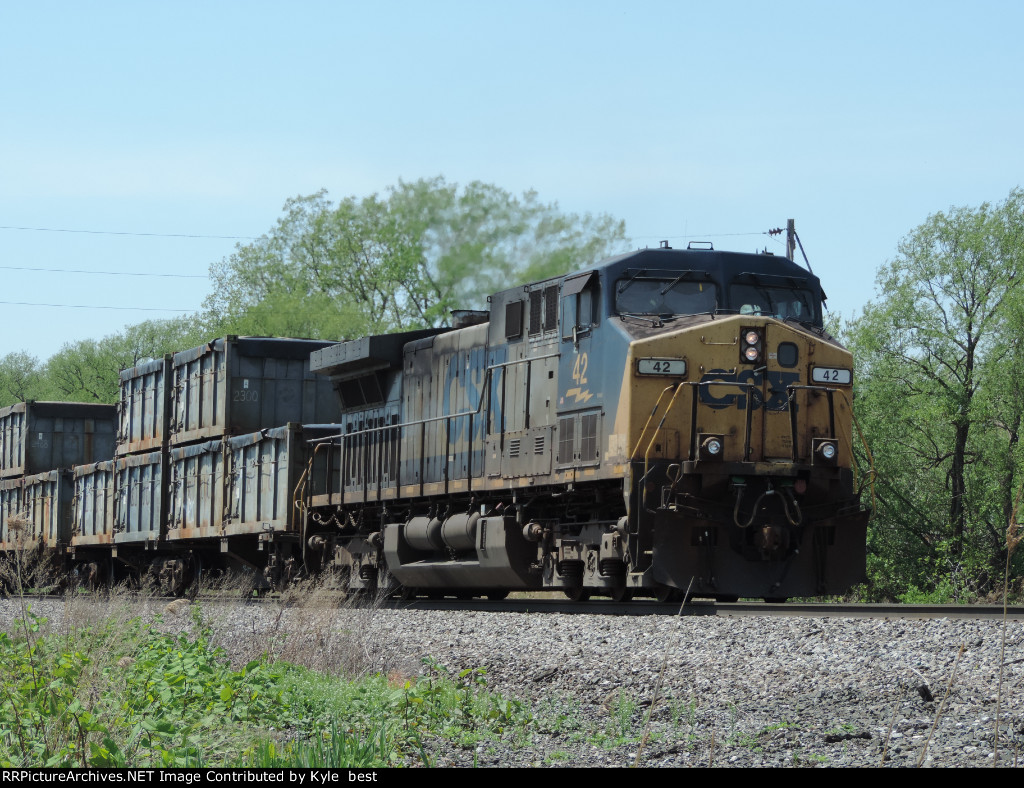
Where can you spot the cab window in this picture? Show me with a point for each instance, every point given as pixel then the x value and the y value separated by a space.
pixel 669 296
pixel 778 302
pixel 579 310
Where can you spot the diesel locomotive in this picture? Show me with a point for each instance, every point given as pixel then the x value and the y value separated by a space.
pixel 668 422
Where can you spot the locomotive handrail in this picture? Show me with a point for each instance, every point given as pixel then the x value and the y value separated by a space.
pixel 654 437
pixel 522 361
pixel 416 423
pixel 341 437
pixel 693 422
pixel 790 396
pixel 484 388
pixel 650 418
pixel 485 393
pixel 749 413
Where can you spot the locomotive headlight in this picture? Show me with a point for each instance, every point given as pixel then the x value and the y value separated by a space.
pixel 711 446
pixel 750 349
pixel 826 451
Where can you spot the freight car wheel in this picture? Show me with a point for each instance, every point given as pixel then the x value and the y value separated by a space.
pixel 196 570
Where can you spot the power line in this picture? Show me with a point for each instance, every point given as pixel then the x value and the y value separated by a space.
pixel 96 306
pixel 105 273
pixel 140 235
pixel 700 235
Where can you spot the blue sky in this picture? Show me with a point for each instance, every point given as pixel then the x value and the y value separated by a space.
pixel 690 121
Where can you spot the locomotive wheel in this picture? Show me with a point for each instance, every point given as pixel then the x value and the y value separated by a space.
pixel 665 593
pixel 621 594
pixel 578 593
pixel 497 596
pixel 406 593
pixel 776 600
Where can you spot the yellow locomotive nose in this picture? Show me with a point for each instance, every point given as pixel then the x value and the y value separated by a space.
pixel 740 437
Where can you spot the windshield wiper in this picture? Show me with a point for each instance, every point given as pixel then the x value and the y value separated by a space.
pixel 674 282
pixel 655 320
pixel 629 281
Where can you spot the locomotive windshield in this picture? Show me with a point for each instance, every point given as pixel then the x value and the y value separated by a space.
pixel 668 296
pixel 781 302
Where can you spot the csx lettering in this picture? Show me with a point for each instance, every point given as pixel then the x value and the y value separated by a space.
pixel 724 393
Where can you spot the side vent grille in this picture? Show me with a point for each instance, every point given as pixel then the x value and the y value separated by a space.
pixel 536 311
pixel 565 439
pixel 513 447
pixel 551 308
pixel 588 437
pixel 538 444
pixel 513 319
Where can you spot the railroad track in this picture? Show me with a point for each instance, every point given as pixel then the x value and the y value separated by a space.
pixel 708 608
pixel 637 607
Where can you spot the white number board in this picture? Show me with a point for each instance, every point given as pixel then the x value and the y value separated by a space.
pixel 660 366
pixel 832 375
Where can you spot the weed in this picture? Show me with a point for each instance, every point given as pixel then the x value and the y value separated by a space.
pixel 110 696
pixel 787 725
pixel 747 741
pixel 559 716
pixel 458 706
pixel 684 714
pixel 332 748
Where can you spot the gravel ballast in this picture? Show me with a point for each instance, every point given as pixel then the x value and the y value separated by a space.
pixel 670 691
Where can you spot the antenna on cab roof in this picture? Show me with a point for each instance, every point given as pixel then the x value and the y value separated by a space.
pixel 792 241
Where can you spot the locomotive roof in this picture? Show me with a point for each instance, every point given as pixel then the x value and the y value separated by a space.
pixel 719 265
pixel 723 266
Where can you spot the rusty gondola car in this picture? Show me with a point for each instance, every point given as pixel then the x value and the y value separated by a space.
pixel 668 421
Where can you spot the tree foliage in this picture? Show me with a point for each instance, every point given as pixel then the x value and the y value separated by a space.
pixel 405 260
pixel 326 270
pixel 939 371
pixel 22 377
pixel 87 370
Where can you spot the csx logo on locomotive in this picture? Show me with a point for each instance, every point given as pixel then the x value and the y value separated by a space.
pixel 723 396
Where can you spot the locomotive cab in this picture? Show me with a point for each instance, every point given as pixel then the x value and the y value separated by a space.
pixel 736 407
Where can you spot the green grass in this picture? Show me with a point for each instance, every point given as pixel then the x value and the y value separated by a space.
pixel 121 693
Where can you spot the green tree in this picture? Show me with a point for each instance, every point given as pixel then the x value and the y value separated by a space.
pixel 22 377
pixel 405 260
pixel 936 354
pixel 88 370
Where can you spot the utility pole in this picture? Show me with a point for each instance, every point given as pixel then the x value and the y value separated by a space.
pixel 790 239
